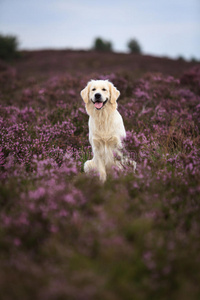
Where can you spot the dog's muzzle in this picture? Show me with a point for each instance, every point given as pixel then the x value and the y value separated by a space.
pixel 98 103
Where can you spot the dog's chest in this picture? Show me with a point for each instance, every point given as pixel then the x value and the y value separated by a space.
pixel 103 129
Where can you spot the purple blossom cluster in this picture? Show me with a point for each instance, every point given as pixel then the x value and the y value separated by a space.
pixel 63 234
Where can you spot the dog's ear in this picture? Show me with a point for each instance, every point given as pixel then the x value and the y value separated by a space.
pixel 85 93
pixel 114 93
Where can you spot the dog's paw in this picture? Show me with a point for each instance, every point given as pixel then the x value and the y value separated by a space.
pixel 89 166
pixel 102 176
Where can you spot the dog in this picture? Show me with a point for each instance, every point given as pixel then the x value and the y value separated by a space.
pixel 106 127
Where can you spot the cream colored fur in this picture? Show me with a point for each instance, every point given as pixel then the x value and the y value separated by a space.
pixel 106 128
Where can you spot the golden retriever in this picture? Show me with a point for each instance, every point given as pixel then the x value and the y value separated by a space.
pixel 106 127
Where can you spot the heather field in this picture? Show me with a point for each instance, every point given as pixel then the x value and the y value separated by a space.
pixel 64 235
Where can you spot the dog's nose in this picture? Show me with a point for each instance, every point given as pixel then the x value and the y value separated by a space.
pixel 97 96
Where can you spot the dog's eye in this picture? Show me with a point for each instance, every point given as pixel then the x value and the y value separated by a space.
pixel 93 89
pixel 104 90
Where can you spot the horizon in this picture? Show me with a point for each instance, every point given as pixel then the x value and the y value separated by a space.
pixel 112 51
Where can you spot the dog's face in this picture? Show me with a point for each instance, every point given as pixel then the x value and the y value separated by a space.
pixel 100 93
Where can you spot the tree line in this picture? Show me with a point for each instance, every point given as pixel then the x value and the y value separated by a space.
pixel 9 46
pixel 106 46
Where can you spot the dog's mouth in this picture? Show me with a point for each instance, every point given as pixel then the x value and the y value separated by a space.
pixel 99 104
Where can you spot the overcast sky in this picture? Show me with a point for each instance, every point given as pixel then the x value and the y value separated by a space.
pixel 162 27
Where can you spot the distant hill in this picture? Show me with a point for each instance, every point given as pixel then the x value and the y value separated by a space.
pixel 46 62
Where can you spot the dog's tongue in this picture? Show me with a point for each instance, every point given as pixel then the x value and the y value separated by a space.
pixel 98 104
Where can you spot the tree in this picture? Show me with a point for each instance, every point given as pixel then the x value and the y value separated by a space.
pixel 8 47
pixel 102 45
pixel 134 46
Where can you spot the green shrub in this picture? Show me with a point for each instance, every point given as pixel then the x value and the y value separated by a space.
pixel 134 46
pixel 8 47
pixel 102 45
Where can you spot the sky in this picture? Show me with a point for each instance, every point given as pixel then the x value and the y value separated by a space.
pixel 162 27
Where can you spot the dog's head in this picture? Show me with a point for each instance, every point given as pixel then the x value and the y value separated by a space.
pixel 99 94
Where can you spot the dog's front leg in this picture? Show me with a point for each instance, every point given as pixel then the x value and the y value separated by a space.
pixel 101 169
pixel 99 158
